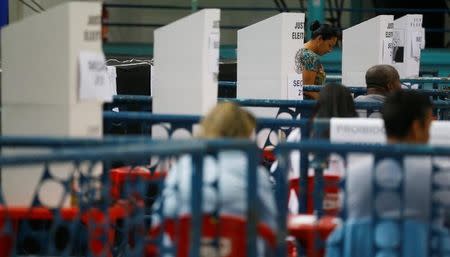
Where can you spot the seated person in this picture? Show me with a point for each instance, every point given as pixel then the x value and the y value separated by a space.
pixel 335 100
pixel 226 120
pixel 380 80
pixel 407 116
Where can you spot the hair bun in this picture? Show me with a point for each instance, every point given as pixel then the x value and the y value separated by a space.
pixel 315 26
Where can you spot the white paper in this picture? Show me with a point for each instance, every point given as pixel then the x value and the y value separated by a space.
pixel 399 37
pixel 417 42
pixel 112 75
pixel 422 42
pixel 388 47
pixel 294 87
pixel 152 78
pixel 94 82
pixel 214 45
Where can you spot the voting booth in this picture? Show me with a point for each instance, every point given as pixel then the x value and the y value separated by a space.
pixel 186 59
pixel 365 45
pixel 266 60
pixel 409 40
pixel 54 83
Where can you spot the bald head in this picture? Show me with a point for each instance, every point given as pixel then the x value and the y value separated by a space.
pixel 383 78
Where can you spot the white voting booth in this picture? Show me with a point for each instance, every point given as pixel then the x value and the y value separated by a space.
pixel 409 40
pixel 266 60
pixel 365 45
pixel 186 58
pixel 186 67
pixel 54 83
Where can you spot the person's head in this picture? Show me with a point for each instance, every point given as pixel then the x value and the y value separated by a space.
pixel 324 37
pixel 382 79
pixel 335 100
pixel 407 116
pixel 227 120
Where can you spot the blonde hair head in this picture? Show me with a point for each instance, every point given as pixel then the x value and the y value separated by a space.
pixel 227 120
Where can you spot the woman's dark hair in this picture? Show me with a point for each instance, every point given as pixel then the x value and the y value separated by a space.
pixel 400 110
pixel 335 100
pixel 324 30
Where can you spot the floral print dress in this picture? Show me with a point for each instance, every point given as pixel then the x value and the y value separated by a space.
pixel 306 59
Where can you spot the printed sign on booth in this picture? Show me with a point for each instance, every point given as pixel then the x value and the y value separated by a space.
pixel 357 130
pixel 94 81
pixel 295 87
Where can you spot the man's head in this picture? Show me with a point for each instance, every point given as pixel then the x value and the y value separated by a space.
pixel 382 79
pixel 407 117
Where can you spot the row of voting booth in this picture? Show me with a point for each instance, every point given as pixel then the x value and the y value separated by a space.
pixel 67 81
pixel 266 58
pixel 386 41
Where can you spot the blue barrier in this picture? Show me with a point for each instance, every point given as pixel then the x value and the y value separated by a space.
pixel 359 90
pixel 420 80
pixel 133 233
pixel 305 107
pixel 54 142
pixel 343 242
pixel 173 123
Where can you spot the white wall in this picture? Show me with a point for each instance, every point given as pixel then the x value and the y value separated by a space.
pixel 230 18
pixel 161 16
pixel 18 10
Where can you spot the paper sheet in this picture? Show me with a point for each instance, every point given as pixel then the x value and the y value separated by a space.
pixel 294 87
pixel 152 79
pixel 399 38
pixel 417 42
pixel 388 47
pixel 94 82
pixel 112 75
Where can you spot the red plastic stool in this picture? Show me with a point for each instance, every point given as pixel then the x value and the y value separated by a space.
pixel 308 230
pixel 230 229
pixel 124 174
pixel 93 218
pixel 331 193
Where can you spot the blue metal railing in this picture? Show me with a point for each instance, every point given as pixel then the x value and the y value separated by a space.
pixel 363 90
pixel 172 123
pixel 304 107
pixel 364 240
pixel 134 221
